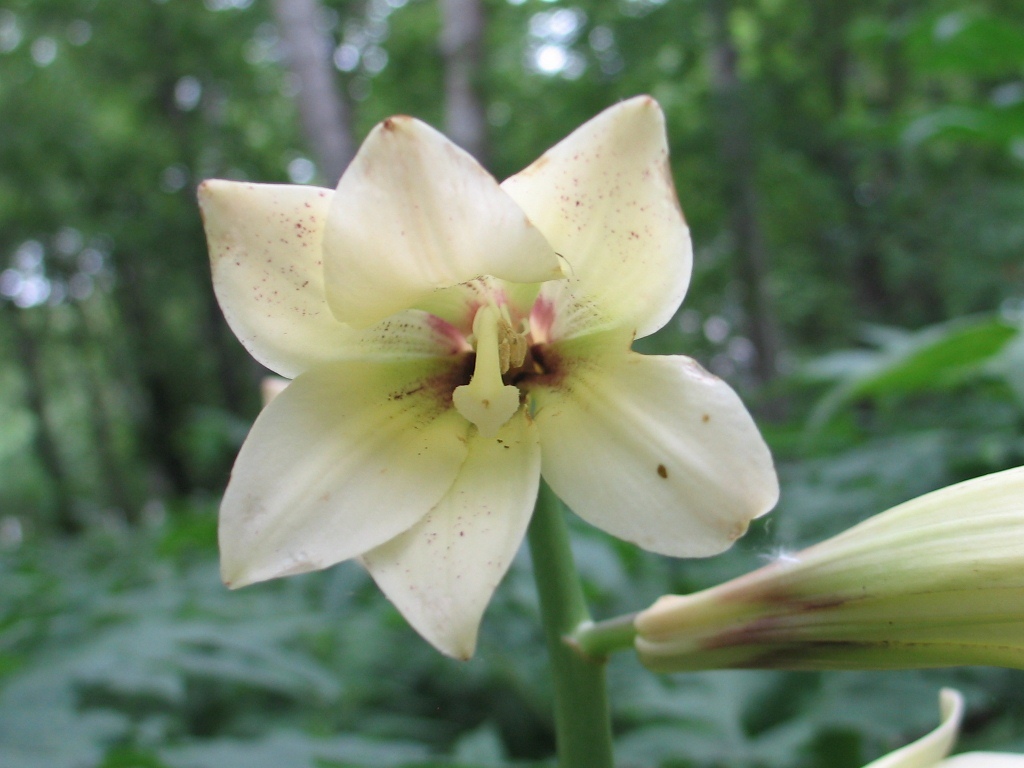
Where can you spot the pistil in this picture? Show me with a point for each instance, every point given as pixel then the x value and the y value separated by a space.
pixel 487 401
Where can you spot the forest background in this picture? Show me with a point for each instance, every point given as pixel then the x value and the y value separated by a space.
pixel 853 174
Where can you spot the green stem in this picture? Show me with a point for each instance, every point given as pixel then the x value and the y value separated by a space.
pixel 582 715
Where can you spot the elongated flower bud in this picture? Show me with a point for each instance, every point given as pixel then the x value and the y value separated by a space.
pixel 937 581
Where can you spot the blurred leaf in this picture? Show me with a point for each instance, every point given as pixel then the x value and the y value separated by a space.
pixel 41 727
pixel 482 747
pixel 936 358
pixel 295 750
pixel 994 125
pixel 1009 365
pixel 968 42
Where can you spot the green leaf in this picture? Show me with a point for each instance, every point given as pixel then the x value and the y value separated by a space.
pixel 934 359
pixel 968 43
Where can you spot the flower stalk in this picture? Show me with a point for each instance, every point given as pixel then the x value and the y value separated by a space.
pixel 596 640
pixel 582 714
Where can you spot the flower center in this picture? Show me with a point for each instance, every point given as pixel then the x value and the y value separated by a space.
pixel 487 401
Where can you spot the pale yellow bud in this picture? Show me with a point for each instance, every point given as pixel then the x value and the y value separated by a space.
pixel 937 581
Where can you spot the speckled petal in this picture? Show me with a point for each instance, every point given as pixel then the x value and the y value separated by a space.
pixel 605 200
pixel 654 450
pixel 442 572
pixel 414 214
pixel 264 243
pixel 346 457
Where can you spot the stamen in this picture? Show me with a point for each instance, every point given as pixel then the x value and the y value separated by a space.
pixel 511 345
pixel 487 401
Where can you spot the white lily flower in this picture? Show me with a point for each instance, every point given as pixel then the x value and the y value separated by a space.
pixel 442 360
pixel 930 749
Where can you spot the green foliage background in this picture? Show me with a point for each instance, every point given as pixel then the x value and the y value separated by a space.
pixel 885 145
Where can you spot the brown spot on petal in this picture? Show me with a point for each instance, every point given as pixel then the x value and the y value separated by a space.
pixel 706 418
pixel 662 472
pixel 395 122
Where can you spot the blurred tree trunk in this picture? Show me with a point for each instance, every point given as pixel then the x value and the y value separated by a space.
pixel 830 24
pixel 27 346
pixel 462 30
pixel 322 108
pixel 153 364
pixel 93 382
pixel 736 145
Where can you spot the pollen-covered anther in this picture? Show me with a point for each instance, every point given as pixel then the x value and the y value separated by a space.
pixel 487 401
pixel 512 346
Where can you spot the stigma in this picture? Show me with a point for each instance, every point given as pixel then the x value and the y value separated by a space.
pixel 487 401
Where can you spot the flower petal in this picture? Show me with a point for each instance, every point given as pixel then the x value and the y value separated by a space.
pixel 605 200
pixel 348 456
pixel 413 214
pixel 442 572
pixel 654 450
pixel 271 387
pixel 927 751
pixel 264 243
pixel 265 251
